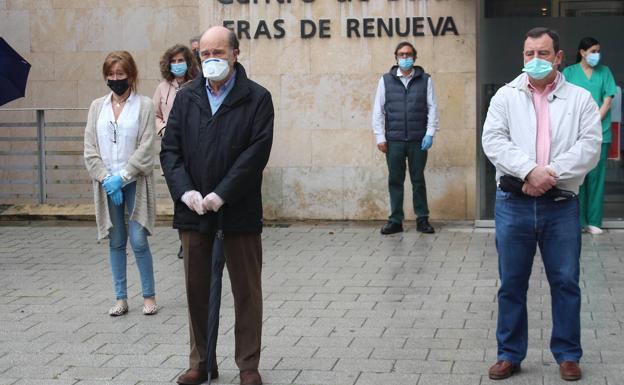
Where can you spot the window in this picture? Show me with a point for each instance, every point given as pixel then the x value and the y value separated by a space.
pixel 553 8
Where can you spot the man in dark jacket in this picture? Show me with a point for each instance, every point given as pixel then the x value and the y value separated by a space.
pixel 216 145
pixel 405 119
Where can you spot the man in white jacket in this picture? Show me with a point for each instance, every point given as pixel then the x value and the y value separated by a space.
pixel 546 133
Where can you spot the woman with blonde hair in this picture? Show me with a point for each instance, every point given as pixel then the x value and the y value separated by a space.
pixel 119 156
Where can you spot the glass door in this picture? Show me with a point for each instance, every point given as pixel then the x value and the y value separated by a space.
pixel 502 27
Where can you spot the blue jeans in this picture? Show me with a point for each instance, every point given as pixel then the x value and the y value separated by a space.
pixel 118 237
pixel 522 223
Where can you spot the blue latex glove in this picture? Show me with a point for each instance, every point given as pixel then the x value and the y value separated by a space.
pixel 426 142
pixel 117 197
pixel 112 184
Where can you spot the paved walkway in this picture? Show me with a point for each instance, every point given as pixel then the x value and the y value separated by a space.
pixel 343 305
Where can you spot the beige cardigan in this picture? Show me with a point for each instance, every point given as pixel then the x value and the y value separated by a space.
pixel 140 166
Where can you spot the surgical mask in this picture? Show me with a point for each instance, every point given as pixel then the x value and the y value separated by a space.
pixel 119 87
pixel 215 69
pixel 406 63
pixel 538 68
pixel 593 58
pixel 178 69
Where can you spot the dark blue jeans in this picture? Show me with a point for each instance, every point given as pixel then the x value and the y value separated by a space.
pixel 522 224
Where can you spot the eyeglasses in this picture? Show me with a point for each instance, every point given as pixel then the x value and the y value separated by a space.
pixel 112 129
pixel 404 55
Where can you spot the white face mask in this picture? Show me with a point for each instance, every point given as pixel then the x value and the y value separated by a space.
pixel 215 69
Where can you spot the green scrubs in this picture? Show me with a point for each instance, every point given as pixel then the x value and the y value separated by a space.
pixel 591 193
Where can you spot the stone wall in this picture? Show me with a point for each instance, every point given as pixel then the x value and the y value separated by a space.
pixel 324 162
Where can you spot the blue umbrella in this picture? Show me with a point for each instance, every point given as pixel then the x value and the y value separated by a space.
pixel 13 73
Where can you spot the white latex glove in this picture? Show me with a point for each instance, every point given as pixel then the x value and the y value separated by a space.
pixel 212 202
pixel 193 200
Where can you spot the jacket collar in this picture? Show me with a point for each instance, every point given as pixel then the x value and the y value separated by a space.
pixel 521 83
pixel 418 71
pixel 239 92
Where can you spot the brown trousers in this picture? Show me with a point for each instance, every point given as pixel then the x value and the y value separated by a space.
pixel 243 258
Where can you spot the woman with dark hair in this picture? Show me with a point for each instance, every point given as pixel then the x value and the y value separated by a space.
pixel 177 66
pixel 119 156
pixel 598 80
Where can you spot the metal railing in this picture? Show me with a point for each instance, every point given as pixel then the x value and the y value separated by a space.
pixel 17 152
pixel 41 157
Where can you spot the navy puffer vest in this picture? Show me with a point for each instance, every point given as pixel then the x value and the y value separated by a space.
pixel 406 108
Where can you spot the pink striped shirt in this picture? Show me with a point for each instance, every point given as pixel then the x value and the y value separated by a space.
pixel 542 140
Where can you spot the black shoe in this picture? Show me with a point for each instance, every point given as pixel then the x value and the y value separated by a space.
pixel 180 254
pixel 392 228
pixel 423 226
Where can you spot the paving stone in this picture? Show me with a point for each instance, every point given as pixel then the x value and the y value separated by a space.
pixel 276 376
pixel 292 351
pixel 266 363
pixel 325 352
pixel 22 347
pixel 84 359
pixel 340 322
pixel 135 361
pixel 34 372
pixel 342 305
pixel 32 381
pixel 148 374
pixel 433 343
pixel 419 366
pixel 136 348
pixel 357 332
pixel 314 377
pixel 388 379
pixel 336 341
pixel 309 363
pixel 449 379
pixel 364 365
pixel 19 359
pixel 469 355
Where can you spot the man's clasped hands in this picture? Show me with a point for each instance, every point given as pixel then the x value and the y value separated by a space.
pixel 211 202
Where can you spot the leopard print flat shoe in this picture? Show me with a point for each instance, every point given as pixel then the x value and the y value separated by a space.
pixel 120 308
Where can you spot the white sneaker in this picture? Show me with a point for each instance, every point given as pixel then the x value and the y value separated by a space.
pixel 594 230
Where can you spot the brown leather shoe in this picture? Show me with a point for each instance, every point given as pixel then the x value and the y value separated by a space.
pixel 250 377
pixel 570 371
pixel 503 369
pixel 193 377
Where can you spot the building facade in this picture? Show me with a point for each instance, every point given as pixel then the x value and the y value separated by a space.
pixel 321 60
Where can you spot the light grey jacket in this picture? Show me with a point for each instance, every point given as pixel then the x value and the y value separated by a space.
pixel 509 132
pixel 140 166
